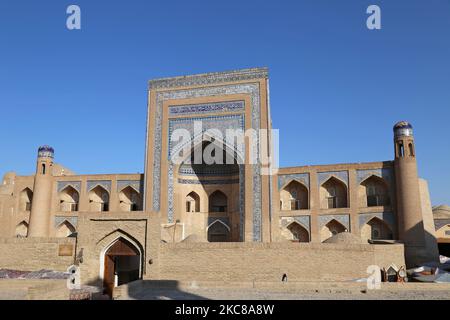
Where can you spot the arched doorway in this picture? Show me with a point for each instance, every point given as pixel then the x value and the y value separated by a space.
pixel 26 197
pixel 68 199
pixel 98 199
pixel 333 194
pixel 122 264
pixel 374 192
pixel 21 230
pixel 192 202
pixel 218 202
pixel 130 199
pixel 218 232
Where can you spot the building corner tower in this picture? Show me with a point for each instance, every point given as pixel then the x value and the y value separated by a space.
pixel 42 192
pixel 411 228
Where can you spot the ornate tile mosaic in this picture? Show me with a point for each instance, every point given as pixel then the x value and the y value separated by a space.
pixel 61 185
pixel 135 184
pixel 229 106
pixel 384 173
pixel 208 78
pixel 205 182
pixel 221 123
pixel 344 219
pixel 324 176
pixel 304 221
pixel 208 170
pixel 106 184
pixel 439 223
pixel 388 217
pixel 284 179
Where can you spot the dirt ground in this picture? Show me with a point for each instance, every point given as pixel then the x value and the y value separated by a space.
pixel 258 294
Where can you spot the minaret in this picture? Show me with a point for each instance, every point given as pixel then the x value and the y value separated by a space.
pixel 42 192
pixel 409 210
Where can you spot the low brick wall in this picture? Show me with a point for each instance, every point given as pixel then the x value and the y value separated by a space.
pixel 261 262
pixel 31 254
pixel 18 289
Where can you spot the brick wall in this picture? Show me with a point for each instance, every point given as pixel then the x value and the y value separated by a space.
pixel 31 254
pixel 269 261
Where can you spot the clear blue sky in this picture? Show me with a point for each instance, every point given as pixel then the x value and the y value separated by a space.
pixel 336 87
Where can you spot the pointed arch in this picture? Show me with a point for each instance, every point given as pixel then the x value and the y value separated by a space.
pixel 333 194
pixel 121 260
pixel 294 196
pixel 218 231
pixel 129 199
pixel 21 230
pixel 332 228
pixel 192 202
pixel 25 199
pixel 376 229
pixel 68 199
pixel 373 191
pixel 65 229
pixel 218 202
pixel 98 199
pixel 298 232
pixel 220 143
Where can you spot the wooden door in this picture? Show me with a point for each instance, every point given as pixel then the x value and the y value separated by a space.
pixel 108 276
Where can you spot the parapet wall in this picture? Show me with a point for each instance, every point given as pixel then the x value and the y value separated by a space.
pixel 31 254
pixel 261 262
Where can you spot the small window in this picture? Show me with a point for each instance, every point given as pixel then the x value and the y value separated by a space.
pixel 411 150
pixel 43 168
pixel 401 151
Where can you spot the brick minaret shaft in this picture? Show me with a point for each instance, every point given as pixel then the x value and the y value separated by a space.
pixel 410 220
pixel 42 192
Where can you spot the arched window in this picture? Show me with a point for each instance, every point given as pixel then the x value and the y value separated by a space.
pixel 68 199
pixel 98 199
pixel 21 230
pixel 218 202
pixel 376 229
pixel 331 228
pixel 375 192
pixel 333 194
pixel 411 149
pixel 400 150
pixel 299 233
pixel 129 199
pixel 65 229
pixel 26 197
pixel 43 168
pixel 294 196
pixel 192 202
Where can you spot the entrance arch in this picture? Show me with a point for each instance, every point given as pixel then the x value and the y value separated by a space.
pixel 120 263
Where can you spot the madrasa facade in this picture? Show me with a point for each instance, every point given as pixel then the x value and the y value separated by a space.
pixel 102 218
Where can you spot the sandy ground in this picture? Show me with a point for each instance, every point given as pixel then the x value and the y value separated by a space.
pixel 256 294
